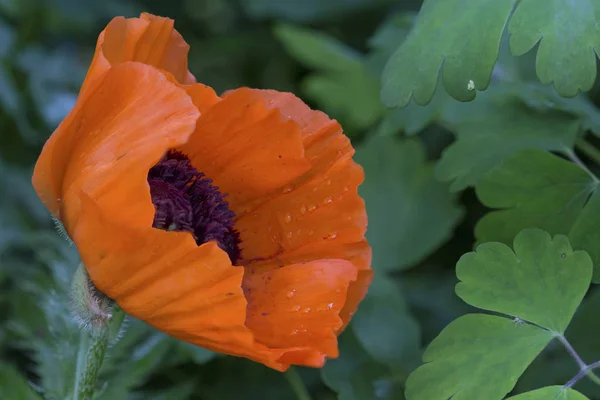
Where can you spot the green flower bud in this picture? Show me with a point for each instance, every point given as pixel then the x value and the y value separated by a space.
pixel 92 309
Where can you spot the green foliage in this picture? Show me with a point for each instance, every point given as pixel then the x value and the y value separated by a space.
pixel 551 392
pixel 416 215
pixel 567 34
pixel 494 127
pixel 540 284
pixel 462 361
pixel 545 271
pixel 465 48
pixel 14 386
pixel 341 76
pixel 450 45
pixel 355 375
pixel 378 323
pixel 537 189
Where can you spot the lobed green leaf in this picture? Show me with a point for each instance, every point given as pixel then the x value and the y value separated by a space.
pixel 534 188
pixel 568 35
pixel 464 48
pixel 543 281
pixel 477 356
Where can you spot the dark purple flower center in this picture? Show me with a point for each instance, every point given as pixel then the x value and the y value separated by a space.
pixel 186 200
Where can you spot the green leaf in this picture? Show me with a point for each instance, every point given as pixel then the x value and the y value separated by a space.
pixel 14 386
pixel 385 328
pixel 568 33
pixel 550 392
pixel 542 282
pixel 545 98
pixel 477 356
pixel 317 50
pixel 481 356
pixel 494 127
pixel 197 354
pixel 241 378
pixel 585 235
pixel 533 188
pixel 414 118
pixel 417 213
pixel 464 47
pixel 385 40
pixel 354 375
pixel 341 83
pixel 351 97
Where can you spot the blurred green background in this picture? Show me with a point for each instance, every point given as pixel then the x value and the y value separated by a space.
pixel 331 54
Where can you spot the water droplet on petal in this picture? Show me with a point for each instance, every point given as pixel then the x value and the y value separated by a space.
pixel 303 209
pixel 288 189
pixel 328 200
pixel 291 294
pixel 288 217
pixel 312 207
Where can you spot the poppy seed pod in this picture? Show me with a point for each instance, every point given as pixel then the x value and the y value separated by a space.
pixel 231 222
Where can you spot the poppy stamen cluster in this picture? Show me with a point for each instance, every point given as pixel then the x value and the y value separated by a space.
pixel 186 201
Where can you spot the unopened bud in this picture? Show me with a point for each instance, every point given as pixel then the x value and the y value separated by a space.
pixel 92 308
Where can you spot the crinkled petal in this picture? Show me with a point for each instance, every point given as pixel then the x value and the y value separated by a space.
pixel 149 39
pixel 113 135
pixel 191 293
pixel 297 306
pixel 246 148
pixel 318 215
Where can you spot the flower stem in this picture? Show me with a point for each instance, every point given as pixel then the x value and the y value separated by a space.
pixel 588 149
pixel 584 369
pixel 88 365
pixel 297 385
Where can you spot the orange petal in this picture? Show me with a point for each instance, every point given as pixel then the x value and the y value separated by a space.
pixel 149 39
pixel 321 204
pixel 191 293
pixel 319 215
pixel 297 307
pixel 247 149
pixel 359 254
pixel 106 145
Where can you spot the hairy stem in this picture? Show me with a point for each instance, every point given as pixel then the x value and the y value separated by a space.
pixel 95 344
pixel 297 385
pixel 588 149
pixel 84 344
pixel 584 369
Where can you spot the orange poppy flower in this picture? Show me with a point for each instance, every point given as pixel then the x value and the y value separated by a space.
pixel 231 222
